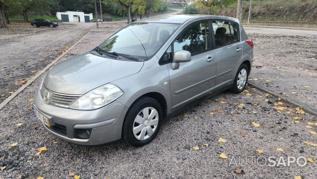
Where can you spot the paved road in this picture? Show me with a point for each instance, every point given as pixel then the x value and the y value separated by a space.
pixel 286 62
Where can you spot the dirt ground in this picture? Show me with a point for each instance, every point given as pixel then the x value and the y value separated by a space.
pixel 224 136
pixel 286 62
pixel 26 50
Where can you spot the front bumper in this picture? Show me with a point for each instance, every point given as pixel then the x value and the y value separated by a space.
pixel 104 124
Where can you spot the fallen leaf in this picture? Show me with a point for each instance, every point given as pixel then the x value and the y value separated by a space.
pixel 239 170
pixel 223 102
pixel 39 177
pixel 312 123
pixel 21 82
pixel 223 156
pixel 280 150
pixel 3 168
pixel 241 105
pixel 312 132
pixel 278 103
pixel 297 177
pixel 76 177
pixel 279 108
pixel 309 127
pixel 205 145
pixel 13 145
pixel 310 160
pixel 222 140
pixel 195 148
pixel 19 124
pixel 255 124
pixel 41 150
pixel 259 151
pixel 299 110
pixel 310 143
pixel 296 118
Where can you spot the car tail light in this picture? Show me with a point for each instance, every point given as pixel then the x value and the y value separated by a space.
pixel 250 43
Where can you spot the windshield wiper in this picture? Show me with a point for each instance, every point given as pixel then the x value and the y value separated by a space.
pixel 101 51
pixel 116 55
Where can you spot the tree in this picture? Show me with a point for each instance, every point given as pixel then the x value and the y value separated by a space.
pixel 3 21
pixel 128 5
pixel 210 4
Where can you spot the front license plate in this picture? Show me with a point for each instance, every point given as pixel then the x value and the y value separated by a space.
pixel 45 120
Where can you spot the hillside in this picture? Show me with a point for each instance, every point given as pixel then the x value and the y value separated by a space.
pixel 275 11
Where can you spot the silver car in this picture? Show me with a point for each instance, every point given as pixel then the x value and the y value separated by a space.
pixel 129 84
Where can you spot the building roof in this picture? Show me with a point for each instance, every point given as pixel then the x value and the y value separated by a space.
pixel 180 19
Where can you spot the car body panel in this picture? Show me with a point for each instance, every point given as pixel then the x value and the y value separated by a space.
pixel 69 76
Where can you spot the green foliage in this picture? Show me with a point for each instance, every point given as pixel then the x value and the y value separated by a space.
pixel 26 8
pixel 191 9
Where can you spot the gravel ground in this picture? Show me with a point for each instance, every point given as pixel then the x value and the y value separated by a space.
pixel 188 145
pixel 24 52
pixel 286 62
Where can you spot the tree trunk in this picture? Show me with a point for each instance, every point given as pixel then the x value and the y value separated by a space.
pixel 3 18
pixel 239 10
pixel 25 16
pixel 129 13
pixel 250 11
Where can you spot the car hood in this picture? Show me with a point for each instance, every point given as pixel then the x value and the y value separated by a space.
pixel 81 74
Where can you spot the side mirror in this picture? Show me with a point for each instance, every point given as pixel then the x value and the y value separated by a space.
pixel 182 56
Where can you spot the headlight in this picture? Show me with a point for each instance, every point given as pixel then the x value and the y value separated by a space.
pixel 98 97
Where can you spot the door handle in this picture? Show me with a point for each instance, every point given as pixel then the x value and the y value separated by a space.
pixel 238 49
pixel 210 59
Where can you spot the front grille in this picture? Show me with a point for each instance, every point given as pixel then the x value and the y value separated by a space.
pixel 58 99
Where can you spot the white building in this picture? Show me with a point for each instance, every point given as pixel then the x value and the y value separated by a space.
pixel 74 16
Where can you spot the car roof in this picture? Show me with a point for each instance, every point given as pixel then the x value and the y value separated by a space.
pixel 181 19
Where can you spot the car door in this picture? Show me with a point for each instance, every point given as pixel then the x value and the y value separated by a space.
pixel 228 50
pixel 190 79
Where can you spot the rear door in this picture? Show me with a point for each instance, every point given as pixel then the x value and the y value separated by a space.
pixel 197 76
pixel 228 50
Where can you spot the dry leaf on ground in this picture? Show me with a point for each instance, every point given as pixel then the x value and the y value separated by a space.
pixel 280 149
pixel 310 143
pixel 259 151
pixel 222 140
pixel 223 156
pixel 255 124
pixel 41 150
pixel 195 148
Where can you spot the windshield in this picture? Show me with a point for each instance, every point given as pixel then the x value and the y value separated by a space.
pixel 139 40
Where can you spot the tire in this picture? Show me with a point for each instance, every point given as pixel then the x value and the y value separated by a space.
pixel 241 79
pixel 139 130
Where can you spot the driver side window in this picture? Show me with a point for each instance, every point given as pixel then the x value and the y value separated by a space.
pixel 194 39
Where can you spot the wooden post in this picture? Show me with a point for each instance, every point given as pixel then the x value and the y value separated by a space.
pixel 250 11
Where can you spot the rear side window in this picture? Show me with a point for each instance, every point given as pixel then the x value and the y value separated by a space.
pixel 244 35
pixel 194 39
pixel 225 32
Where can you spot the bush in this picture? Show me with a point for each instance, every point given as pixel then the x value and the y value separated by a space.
pixel 191 9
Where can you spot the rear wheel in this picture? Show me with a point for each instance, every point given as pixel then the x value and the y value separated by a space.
pixel 142 121
pixel 241 79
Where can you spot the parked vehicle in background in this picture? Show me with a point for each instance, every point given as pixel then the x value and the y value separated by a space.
pixel 43 22
pixel 126 86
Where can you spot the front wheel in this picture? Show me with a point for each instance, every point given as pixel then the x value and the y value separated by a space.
pixel 142 121
pixel 241 79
